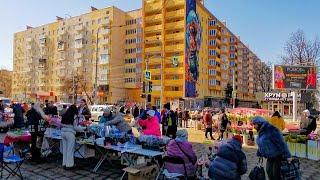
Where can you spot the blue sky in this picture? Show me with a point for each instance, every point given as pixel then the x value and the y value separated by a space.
pixel 264 25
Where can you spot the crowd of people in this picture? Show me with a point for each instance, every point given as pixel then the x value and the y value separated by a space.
pixel 149 121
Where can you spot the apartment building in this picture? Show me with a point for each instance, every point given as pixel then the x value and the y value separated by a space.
pixel 102 54
pixel 177 32
pixel 83 54
pixel 5 83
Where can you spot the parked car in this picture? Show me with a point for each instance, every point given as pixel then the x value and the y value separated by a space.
pixel 97 111
pixel 6 101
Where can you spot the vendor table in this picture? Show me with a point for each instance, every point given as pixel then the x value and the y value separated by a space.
pixel 128 153
pixel 12 138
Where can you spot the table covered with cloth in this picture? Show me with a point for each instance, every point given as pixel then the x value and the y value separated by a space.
pixel 17 136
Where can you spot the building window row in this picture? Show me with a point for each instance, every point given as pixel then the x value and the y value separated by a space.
pixel 212 42
pixel 232 55
pixel 133 41
pixel 133 50
pixel 131 31
pixel 130 70
pixel 212 72
pixel 212 52
pixel 232 48
pixel 212 32
pixel 213 82
pixel 129 80
pixel 130 61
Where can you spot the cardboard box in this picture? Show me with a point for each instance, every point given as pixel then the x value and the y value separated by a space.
pixel 301 150
pixel 145 172
pixel 313 150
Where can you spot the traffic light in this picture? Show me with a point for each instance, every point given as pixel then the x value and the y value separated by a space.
pixel 149 98
pixel 150 86
pixel 144 87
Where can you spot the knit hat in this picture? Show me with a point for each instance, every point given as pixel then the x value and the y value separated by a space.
pixel 182 135
pixel 238 138
pixel 151 112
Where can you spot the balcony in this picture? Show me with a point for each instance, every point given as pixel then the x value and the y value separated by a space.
pixel 177 70
pixel 175 25
pixel 61 46
pixel 105 22
pixel 78 45
pixel 153 28
pixel 175 48
pixel 79 27
pixel 104 41
pixel 153 49
pixel 173 82
pixel 42 40
pixel 175 14
pixel 175 36
pixel 105 31
pixel 78 36
pixel 174 94
pixel 153 18
pixel 152 6
pixel 154 60
pixel 61 56
pixel 154 71
pixel 156 82
pixel 175 3
pixel 77 55
pixel 29 39
pixel 151 39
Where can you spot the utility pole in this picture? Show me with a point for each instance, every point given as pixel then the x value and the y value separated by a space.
pixel 233 90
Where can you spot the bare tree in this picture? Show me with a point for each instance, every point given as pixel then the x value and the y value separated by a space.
pixel 264 74
pixel 301 51
pixel 74 85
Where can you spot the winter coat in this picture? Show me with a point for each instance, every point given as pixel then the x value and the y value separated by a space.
pixel 150 126
pixel 51 110
pixel 169 119
pixel 277 122
pixel 207 119
pixel 230 162
pixel 224 122
pixel 18 116
pixel 135 111
pixel 173 150
pixel 118 121
pixel 270 140
pixel 33 117
pixel 104 119
pixel 312 126
pixel 85 112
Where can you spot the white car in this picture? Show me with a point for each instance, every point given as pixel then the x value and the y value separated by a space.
pixel 97 111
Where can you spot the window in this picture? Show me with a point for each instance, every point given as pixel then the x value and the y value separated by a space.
pixel 212 62
pixel 232 48
pixel 212 72
pixel 104 58
pixel 232 39
pixel 232 55
pixel 212 52
pixel 232 63
pixel 212 32
pixel 212 42
pixel 212 82
pixel 212 22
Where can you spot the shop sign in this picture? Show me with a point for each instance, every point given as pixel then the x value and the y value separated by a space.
pixel 269 96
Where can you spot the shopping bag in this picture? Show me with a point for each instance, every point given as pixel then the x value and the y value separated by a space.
pixel 257 173
pixel 290 171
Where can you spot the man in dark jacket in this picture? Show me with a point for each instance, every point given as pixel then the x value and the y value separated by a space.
pixel 51 109
pixel 169 122
pixel 230 162
pixel 18 116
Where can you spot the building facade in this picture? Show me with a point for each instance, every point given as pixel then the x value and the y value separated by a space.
pixel 102 55
pixel 5 83
pixel 192 54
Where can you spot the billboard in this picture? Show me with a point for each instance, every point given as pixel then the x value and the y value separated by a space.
pixel 295 77
pixel 193 43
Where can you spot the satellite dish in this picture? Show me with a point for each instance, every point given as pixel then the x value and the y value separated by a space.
pixel 175 61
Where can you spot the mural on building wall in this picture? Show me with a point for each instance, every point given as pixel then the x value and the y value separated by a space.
pixel 193 42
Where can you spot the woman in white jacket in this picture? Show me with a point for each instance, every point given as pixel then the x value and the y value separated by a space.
pixel 68 134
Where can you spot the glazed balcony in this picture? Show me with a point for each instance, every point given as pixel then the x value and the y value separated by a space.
pixel 175 36
pixel 175 25
pixel 153 18
pixel 151 6
pixel 174 3
pixel 177 70
pixel 175 14
pixel 154 28
pixel 153 49
pixel 174 48
pixel 173 94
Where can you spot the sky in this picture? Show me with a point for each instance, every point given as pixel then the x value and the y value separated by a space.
pixel 263 25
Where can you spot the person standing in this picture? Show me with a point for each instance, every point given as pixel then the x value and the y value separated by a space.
pixel 185 118
pixel 223 123
pixel 277 121
pixel 1 106
pixel 207 119
pixel 169 122
pixel 68 134
pixel 308 123
pixel 63 110
pixel 51 109
pixel 18 116
pixel 271 145
pixel 157 113
pixel 34 117
pixel 84 110
pixel 230 161
pixel 135 111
